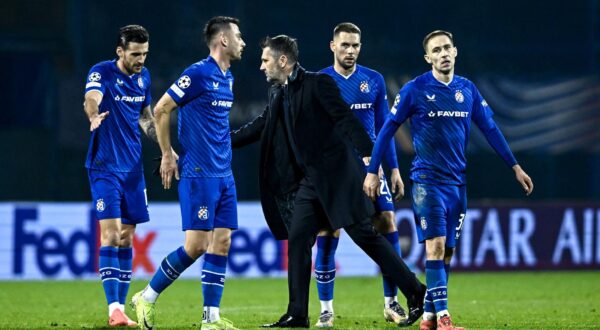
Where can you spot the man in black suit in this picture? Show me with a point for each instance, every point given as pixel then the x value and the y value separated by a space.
pixel 311 176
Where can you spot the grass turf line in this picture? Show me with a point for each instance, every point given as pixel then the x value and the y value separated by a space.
pixel 540 300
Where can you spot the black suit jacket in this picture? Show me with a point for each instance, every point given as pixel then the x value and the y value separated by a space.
pixel 328 137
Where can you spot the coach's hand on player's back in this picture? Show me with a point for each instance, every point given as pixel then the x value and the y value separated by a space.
pixel 523 179
pixel 97 119
pixel 168 168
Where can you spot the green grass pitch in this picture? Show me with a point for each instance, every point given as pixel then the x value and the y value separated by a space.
pixel 540 300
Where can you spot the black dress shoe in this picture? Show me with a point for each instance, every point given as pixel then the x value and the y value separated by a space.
pixel 289 321
pixel 415 307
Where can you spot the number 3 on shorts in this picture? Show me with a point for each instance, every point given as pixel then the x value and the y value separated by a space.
pixel 460 224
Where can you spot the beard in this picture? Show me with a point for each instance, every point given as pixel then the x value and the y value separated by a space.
pixel 345 64
pixel 131 68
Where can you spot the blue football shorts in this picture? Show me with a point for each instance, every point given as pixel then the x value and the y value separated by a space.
pixel 119 195
pixel 439 211
pixel 208 203
pixel 385 201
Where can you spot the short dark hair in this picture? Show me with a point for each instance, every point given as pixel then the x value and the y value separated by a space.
pixel 435 34
pixel 346 27
pixel 132 33
pixel 216 25
pixel 282 45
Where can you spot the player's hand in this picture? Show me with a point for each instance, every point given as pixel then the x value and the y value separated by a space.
pixel 397 184
pixel 156 171
pixel 371 185
pixel 168 169
pixel 97 119
pixel 523 179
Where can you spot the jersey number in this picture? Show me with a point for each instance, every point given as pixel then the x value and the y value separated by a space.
pixel 460 224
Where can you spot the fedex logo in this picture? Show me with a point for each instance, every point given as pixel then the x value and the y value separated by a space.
pixel 52 250
pixel 62 241
pixel 264 252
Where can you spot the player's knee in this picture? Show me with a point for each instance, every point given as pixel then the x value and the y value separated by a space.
pixel 220 245
pixel 110 238
pixel 126 238
pixel 435 249
pixel 195 249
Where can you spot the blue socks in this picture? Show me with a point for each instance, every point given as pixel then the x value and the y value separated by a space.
pixel 108 265
pixel 429 307
pixel 125 265
pixel 437 291
pixel 389 288
pixel 170 269
pixel 325 266
pixel 213 279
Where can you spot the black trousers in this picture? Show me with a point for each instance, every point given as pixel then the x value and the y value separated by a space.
pixel 308 218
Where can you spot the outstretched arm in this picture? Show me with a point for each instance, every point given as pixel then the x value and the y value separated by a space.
pixel 250 132
pixel 91 106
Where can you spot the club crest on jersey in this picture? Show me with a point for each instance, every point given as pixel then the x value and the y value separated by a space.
pixel 140 82
pixel 203 213
pixel 458 96
pixel 100 205
pixel 94 76
pixel 364 87
pixel 184 82
pixel 423 223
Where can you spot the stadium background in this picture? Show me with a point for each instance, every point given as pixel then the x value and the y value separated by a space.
pixel 536 62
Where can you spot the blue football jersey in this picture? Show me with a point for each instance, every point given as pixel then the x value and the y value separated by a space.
pixel 204 94
pixel 365 93
pixel 116 145
pixel 441 117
